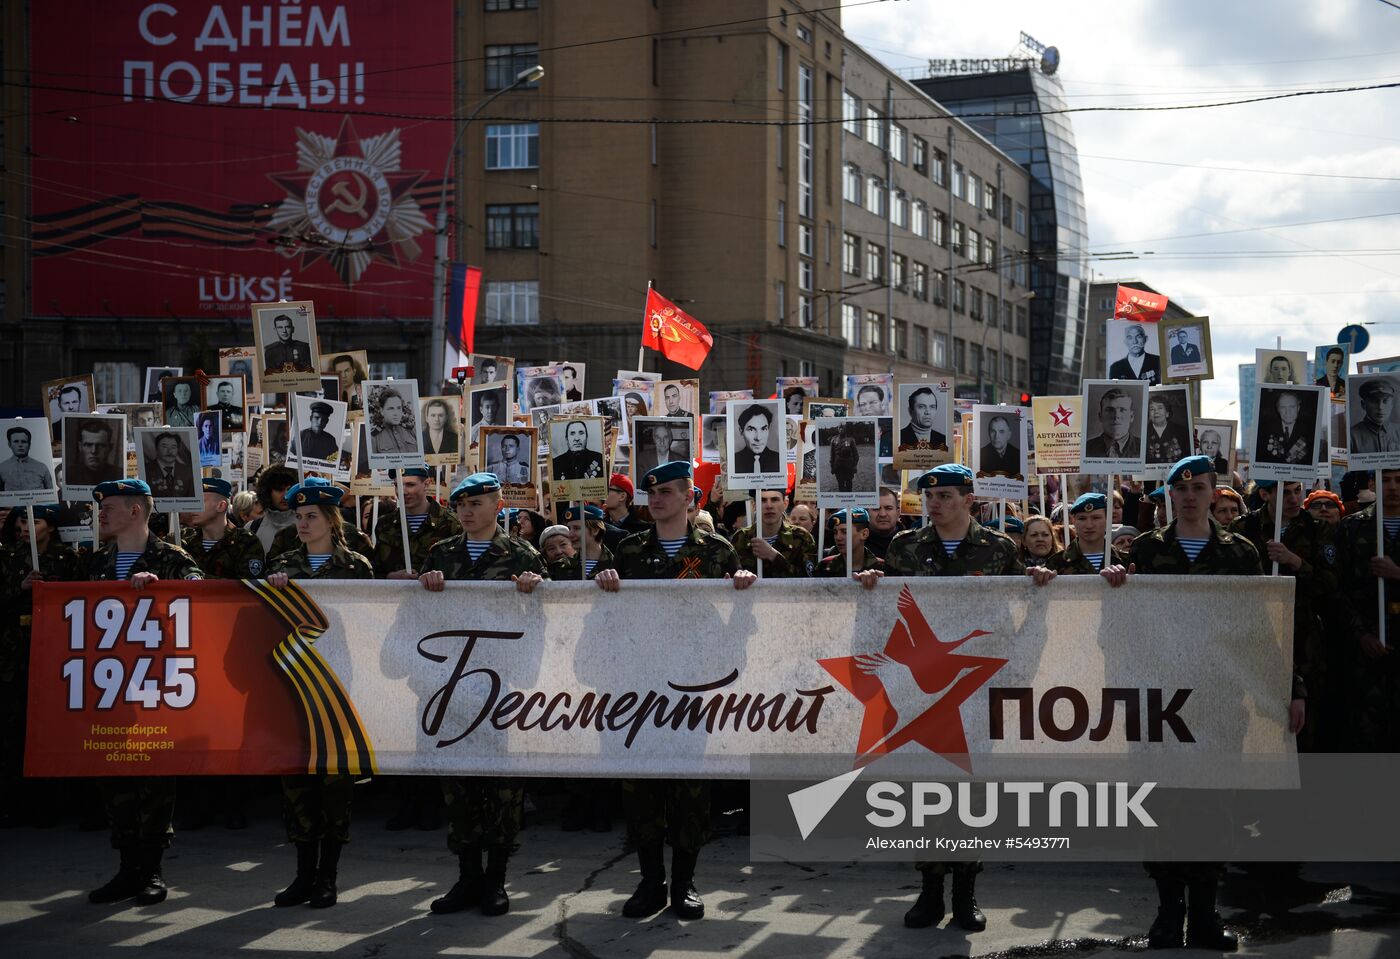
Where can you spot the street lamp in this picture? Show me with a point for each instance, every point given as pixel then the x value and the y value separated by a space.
pixel 439 348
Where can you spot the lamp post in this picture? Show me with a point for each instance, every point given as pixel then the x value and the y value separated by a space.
pixel 439 347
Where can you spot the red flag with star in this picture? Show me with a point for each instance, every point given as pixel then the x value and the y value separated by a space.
pixel 1140 305
pixel 674 333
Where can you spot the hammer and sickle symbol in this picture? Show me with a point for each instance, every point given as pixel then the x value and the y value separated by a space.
pixel 348 202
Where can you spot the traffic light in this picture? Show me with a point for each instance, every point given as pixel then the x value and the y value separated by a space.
pixel 1024 399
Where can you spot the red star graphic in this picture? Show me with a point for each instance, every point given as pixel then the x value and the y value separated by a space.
pixel 1061 416
pixel 914 666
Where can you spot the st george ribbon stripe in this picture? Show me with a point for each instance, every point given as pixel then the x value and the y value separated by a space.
pixel 339 743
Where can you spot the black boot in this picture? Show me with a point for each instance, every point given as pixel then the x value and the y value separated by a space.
pixel 153 889
pixel 1167 930
pixel 928 908
pixel 965 911
pixel 1204 928
pixel 300 889
pixel 125 884
pixel 650 897
pixel 685 901
pixel 494 901
pixel 466 891
pixel 323 888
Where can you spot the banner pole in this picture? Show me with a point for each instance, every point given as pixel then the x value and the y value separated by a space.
pixel 1064 501
pixel 821 533
pixel 1278 519
pixel 642 348
pixel 403 520
pixel 1040 484
pixel 1108 525
pixel 758 525
pixel 34 539
pixel 374 520
pixel 1380 551
pixel 292 436
pixel 850 542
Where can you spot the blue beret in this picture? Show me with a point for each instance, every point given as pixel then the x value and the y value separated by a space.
pixel 1088 503
pixel 48 513
pixel 1190 467
pixel 1158 495
pixel 121 487
pixel 589 512
pixel 859 516
pixel 948 474
pixel 475 485
pixel 697 493
pixel 1265 484
pixel 1013 525
pixel 422 472
pixel 674 470
pixel 212 484
pixel 314 491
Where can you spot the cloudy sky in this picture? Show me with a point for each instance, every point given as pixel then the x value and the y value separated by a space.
pixel 1225 217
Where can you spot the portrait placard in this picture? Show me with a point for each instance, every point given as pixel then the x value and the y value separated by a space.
pixel 493 369
pixel 154 376
pixel 1373 432
pixel 1331 363
pixel 1384 364
pixel 657 440
pixel 225 395
pixel 391 410
pixel 1290 432
pixel 825 407
pixel 350 368
pixel 137 414
pixel 320 428
pixel 441 420
pixel 181 399
pixel 273 439
pixel 538 386
pixel 578 467
pixel 999 465
pixel 924 414
pixel 847 472
pixel 794 391
pixel 1057 423
pixel 1169 435
pixel 509 452
pixel 167 459
pixel 676 398
pixel 754 440
pixel 209 433
pixel 284 335
pixel 1185 342
pixel 1115 427
pixel 713 433
pixel 636 401
pixel 719 399
pixel 1130 352
pixel 240 361
pixel 805 489
pixel 365 479
pixel 571 380
pixel 1279 367
pixel 871 394
pixel 75 522
pixel 488 404
pixel 26 463
pixel 68 394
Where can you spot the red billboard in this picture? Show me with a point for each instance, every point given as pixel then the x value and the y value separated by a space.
pixel 191 158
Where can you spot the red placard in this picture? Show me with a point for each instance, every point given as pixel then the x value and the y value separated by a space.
pixel 193 158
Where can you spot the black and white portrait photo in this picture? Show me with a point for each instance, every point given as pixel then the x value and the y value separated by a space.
pixel 1186 345
pixel 571 380
pixel 538 386
pixel 208 427
pixel 1115 426
pixel 441 425
pixel 154 376
pixel 795 391
pixel 1168 428
pixel 137 414
pixel 486 406
pixel 1131 352
pixel 712 437
pixel 492 369
pixel 365 480
pixel 167 460
pixel 924 418
pixel 578 469
pixel 1373 434
pixel 224 395
pixel 610 409
pixel 871 394
pixel 825 407
pixel 391 409
pixel 676 398
pixel 1290 425
pixel 26 463
pixel 998 453
pixel 847 469
pixel 285 335
pixel 350 369
pixel 320 425
pixel 181 400
pixel 1331 363
pixel 1279 367
pixel 270 437
pixel 657 440
pixel 71 394
pixel 94 451
pixel 1216 439
pixel 509 452
pixel 756 443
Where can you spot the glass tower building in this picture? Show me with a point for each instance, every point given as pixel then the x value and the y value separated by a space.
pixel 1009 108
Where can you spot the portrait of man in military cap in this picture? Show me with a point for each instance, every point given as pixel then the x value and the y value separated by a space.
pixel 94 451
pixel 1374 434
pixel 846 466
pixel 320 424
pixel 509 452
pixel 285 335
pixel 181 400
pixel 26 463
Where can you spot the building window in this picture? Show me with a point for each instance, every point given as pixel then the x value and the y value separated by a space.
pixel 958 239
pixel 939 169
pixel 989 199
pixel 874 331
pixel 1006 324
pixel 494 5
pixel 852 185
pixel 899 211
pixel 782 66
pixel 919 279
pixel 991 309
pixel 989 251
pixel 993 363
pixel 512 146
pixel 901 338
pixel 804 311
pixel 975 356
pixel 959 296
pixel 973 193
pixel 899 143
pixel 874 126
pixel 850 324
pixel 960 354
pixel 806 242
pixel 920 344
pixel 940 229
pixel 919 222
pixel 940 288
pixel 1020 321
pixel 513 226
pixel 806 106
pixel 974 244
pixel 850 112
pixel 1021 379
pixel 804 34
pixel 504 64
pixel 805 274
pixel 874 261
pixel 513 303
pixel 782 223
pixel 959 180
pixel 1020 222
pixel 918 154
pixel 875 195
pixel 1005 210
pixel 940 350
pixel 899 271
pixel 850 253
pixel 974 308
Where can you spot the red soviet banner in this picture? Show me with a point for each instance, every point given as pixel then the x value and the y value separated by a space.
pixel 187 678
pixel 193 157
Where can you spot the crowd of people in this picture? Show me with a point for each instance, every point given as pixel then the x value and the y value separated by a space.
pixel 1345 695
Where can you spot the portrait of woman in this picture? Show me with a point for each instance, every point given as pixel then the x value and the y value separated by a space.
pixel 391 422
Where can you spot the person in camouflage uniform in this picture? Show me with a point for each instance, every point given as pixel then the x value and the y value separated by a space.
pixel 786 550
pixel 140 809
pixel 658 809
pixel 483 813
pixel 316 809
pixel 350 535
pixel 1374 680
pixel 951 543
pixel 1089 513
pixel 57 563
pixel 222 550
pixel 1193 543
pixel 833 564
